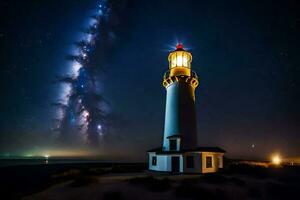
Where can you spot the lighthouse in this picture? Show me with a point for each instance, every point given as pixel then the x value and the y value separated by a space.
pixel 179 152
pixel 180 117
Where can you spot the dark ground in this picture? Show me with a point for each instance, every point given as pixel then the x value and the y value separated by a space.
pixel 22 180
pixel 234 182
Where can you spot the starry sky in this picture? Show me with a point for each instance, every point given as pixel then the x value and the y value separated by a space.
pixel 245 53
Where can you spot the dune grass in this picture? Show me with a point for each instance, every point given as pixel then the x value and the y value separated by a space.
pixel 152 183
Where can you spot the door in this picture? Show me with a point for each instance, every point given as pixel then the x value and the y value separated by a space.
pixel 175 164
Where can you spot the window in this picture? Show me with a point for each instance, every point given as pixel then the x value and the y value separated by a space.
pixel 190 162
pixel 209 162
pixel 154 160
pixel 173 145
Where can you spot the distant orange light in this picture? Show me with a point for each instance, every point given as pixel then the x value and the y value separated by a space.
pixel 276 160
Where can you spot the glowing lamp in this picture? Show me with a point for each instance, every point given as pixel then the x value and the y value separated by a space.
pixel 276 160
pixel 180 57
pixel 180 61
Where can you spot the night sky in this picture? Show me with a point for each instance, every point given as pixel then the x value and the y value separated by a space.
pixel 246 54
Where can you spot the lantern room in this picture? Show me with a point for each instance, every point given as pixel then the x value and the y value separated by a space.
pixel 180 58
pixel 180 61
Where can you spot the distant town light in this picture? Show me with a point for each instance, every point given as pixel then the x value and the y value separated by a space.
pixel 276 160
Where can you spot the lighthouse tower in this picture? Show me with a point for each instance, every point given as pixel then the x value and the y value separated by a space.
pixel 180 117
pixel 179 152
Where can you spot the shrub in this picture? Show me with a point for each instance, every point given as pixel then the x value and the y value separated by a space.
pixel 67 174
pixel 249 170
pixel 154 184
pixel 214 179
pixel 188 188
pixel 112 195
pixel 237 181
pixel 83 181
pixel 281 191
pixel 127 168
pixel 96 171
pixel 192 191
pixel 254 193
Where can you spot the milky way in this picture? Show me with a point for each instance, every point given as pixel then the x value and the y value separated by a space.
pixel 81 109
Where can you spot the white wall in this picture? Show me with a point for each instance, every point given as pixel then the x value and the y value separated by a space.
pixel 181 160
pixel 161 162
pixel 164 162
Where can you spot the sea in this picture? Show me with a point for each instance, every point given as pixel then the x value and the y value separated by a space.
pixel 48 161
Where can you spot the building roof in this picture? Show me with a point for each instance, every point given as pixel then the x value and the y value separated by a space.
pixel 201 149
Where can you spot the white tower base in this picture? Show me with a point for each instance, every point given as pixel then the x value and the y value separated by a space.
pixel 199 160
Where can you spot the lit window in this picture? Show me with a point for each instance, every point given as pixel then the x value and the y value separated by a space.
pixel 173 60
pixel 179 59
pixel 185 60
pixel 209 162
